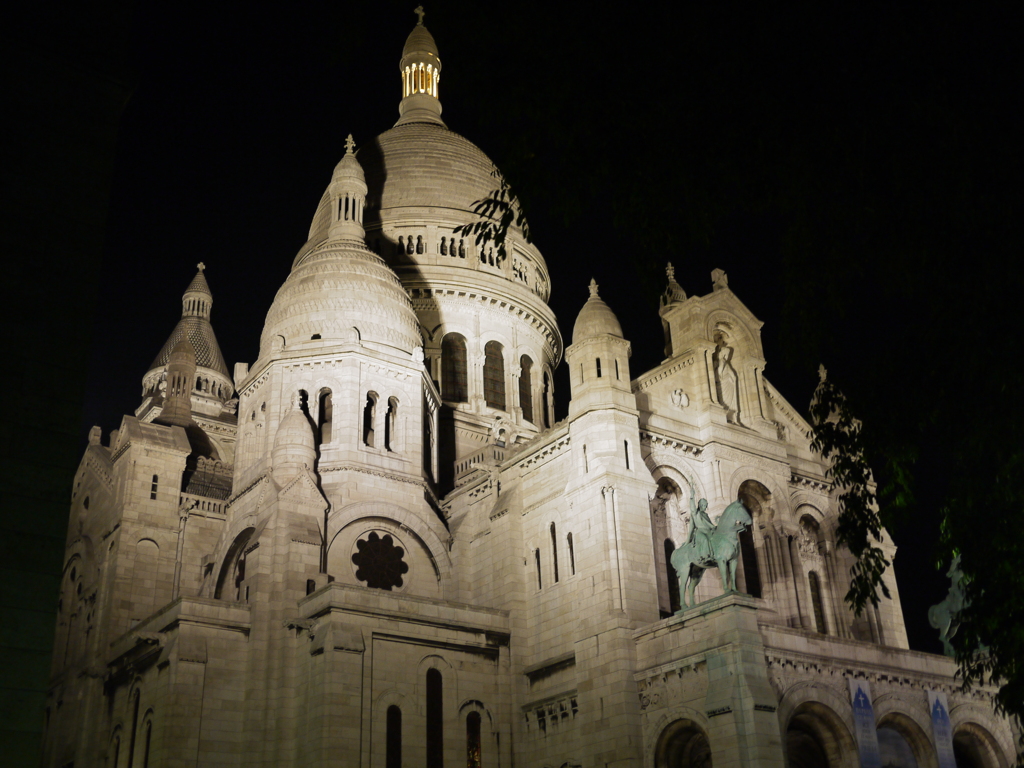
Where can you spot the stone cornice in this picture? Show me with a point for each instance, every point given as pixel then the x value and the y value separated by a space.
pixel 649 379
pixel 672 443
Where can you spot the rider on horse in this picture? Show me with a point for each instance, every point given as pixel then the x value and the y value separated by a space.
pixel 701 527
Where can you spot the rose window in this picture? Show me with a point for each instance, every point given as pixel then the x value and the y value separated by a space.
pixel 379 562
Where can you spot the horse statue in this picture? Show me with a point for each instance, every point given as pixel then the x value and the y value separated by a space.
pixel 722 551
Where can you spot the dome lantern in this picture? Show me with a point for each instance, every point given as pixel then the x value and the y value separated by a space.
pixel 421 71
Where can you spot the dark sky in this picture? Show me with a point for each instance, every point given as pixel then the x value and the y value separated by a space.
pixel 623 131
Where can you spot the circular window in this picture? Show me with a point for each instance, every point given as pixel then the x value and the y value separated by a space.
pixel 379 561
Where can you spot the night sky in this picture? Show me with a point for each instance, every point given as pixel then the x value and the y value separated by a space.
pixel 623 131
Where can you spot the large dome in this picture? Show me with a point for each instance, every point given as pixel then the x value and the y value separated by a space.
pixel 427 166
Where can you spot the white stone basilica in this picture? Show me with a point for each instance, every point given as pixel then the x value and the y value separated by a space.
pixel 374 547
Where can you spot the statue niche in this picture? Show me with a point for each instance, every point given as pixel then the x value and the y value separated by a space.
pixel 726 379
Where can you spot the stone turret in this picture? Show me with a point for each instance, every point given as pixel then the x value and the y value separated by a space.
pixel 598 359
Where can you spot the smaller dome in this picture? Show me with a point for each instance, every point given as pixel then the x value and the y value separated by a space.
pixel 348 168
pixel 674 291
pixel 595 319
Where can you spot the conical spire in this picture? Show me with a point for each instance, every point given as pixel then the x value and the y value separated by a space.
pixel 421 71
pixel 195 326
pixel 348 196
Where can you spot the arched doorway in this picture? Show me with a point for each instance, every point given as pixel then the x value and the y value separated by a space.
pixel 975 747
pixel 817 738
pixel 903 742
pixel 683 744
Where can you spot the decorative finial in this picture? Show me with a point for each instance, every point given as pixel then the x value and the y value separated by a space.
pixel 822 373
pixel 201 266
pixel 421 13
pixel 350 144
pixel 719 279
pixel 671 272
pixel 593 288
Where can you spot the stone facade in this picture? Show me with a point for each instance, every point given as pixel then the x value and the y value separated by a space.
pixel 374 547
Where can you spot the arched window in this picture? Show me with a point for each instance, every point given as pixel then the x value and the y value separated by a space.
pixel 115 750
pixel 393 754
pixel 419 243
pixel 325 415
pixel 494 375
pixel 435 720
pixel 536 560
pixel 554 550
pixel 526 387
pixel 369 416
pixel 572 555
pixel 453 368
pixel 147 742
pixel 391 424
pixel 546 401
pixel 598 367
pixel 819 611
pixel 135 729
pixel 473 740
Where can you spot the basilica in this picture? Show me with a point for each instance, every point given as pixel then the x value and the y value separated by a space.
pixel 375 546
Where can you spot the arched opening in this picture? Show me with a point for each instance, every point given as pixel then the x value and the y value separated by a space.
pixel 817 738
pixel 683 744
pixel 665 508
pixel 526 387
pixel 369 417
pixel 572 555
pixel 975 747
pixel 230 582
pixel 554 550
pixel 135 728
pixel 902 742
pixel 453 368
pixel 393 743
pixel 147 742
pixel 894 750
pixel 672 576
pixel 547 401
pixel 435 720
pixel 325 416
pixel 473 756
pixel 756 498
pixel 814 584
pixel 391 424
pixel 494 375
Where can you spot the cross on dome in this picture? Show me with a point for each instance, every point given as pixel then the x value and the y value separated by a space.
pixel 593 287
pixel 421 13
pixel 200 266
pixel 670 271
pixel 350 144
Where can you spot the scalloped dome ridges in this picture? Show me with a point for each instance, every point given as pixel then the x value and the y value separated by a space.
pixel 336 287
